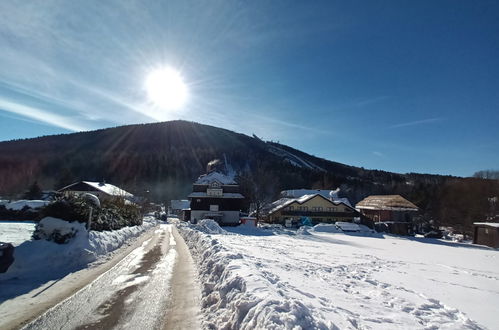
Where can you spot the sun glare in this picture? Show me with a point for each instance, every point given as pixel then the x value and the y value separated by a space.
pixel 166 88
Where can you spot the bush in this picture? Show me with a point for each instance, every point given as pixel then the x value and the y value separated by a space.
pixel 113 214
pixel 25 214
pixel 69 209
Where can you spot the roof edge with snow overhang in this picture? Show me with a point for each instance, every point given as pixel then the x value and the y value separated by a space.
pixel 302 200
pixel 106 188
pixel 490 224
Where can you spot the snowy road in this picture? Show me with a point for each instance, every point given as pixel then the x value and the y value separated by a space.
pixel 135 293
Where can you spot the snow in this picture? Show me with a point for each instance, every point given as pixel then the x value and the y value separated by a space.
pixel 285 201
pixel 322 279
pixel 490 224
pixel 109 189
pixel 329 194
pixel 295 193
pixel 326 228
pixel 209 226
pixel 348 226
pixel 133 294
pixel 48 225
pixel 216 176
pixel 38 261
pixel 20 204
pixel 231 300
pixel 16 232
pixel 293 159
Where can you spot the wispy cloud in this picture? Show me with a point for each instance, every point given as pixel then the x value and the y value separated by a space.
pixel 418 122
pixel 41 115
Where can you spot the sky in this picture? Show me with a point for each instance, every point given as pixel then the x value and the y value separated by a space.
pixel 403 86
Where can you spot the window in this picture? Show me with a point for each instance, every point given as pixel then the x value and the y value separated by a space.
pixel 217 192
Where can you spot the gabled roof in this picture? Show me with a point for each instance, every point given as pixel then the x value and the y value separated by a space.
pixel 490 224
pixel 215 176
pixel 106 188
pixel 329 194
pixel 283 202
pixel 386 202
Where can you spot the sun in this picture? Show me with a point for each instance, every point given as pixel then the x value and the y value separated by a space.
pixel 166 88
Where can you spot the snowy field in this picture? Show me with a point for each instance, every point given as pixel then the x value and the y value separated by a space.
pixel 16 232
pixel 262 278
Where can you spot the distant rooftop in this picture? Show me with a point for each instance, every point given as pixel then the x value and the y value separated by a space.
pixel 106 188
pixel 386 202
pixel 285 201
pixel 215 176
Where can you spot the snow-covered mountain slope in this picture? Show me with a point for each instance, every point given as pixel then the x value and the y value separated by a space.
pixel 293 159
pixel 345 281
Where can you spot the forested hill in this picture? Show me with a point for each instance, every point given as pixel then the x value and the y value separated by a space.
pixel 161 160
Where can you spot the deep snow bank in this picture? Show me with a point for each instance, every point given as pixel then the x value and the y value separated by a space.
pixel 235 295
pixel 42 258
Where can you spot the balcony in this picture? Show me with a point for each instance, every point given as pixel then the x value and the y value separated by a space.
pixel 318 214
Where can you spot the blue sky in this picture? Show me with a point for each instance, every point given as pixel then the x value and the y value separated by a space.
pixel 404 86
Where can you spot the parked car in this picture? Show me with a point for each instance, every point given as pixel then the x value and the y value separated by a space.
pixel 435 233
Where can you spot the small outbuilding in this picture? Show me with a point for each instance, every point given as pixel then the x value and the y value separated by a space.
pixel 486 233
pixel 393 208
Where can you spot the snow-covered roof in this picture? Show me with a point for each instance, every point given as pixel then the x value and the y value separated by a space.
pixel 329 194
pixel 386 202
pixel 224 195
pixel 285 201
pixel 109 189
pixel 490 224
pixel 106 188
pixel 215 176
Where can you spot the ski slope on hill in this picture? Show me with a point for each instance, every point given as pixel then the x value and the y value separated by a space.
pixel 335 280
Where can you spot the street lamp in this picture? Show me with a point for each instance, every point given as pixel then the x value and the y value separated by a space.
pixel 94 202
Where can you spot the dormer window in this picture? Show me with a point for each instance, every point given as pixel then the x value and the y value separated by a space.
pixel 215 184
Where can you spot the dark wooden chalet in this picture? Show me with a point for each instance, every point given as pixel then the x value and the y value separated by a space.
pixel 216 196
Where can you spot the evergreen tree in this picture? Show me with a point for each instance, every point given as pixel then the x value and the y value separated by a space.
pixel 34 192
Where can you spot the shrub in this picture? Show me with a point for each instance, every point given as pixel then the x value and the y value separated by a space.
pixel 113 214
pixel 69 209
pixel 25 214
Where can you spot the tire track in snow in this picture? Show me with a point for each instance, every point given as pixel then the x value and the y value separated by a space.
pixel 133 294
